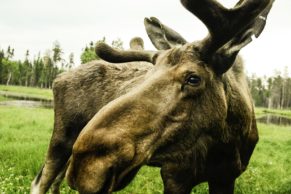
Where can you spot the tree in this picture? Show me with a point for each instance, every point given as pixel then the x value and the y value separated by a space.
pixel 39 72
pixel 48 69
pixel 71 62
pixel 288 93
pixel 118 44
pixel 9 53
pixel 38 67
pixel 89 52
pixel 88 55
pixel 280 90
pixel 258 90
pixel 27 69
pixel 57 52
pixel 2 56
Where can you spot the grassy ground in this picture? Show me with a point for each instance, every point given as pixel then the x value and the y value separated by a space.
pixel 24 136
pixel 25 133
pixel 261 111
pixel 28 91
pixel 270 167
pixel 2 98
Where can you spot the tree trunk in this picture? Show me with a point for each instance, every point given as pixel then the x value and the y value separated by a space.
pixel 9 78
pixel 282 96
pixel 270 104
pixel 26 81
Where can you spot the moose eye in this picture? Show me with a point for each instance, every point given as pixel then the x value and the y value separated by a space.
pixel 193 80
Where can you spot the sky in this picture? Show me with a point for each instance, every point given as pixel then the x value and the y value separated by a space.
pixel 36 24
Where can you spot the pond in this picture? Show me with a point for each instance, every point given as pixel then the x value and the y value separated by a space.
pixel 275 119
pixel 27 103
pixel 24 101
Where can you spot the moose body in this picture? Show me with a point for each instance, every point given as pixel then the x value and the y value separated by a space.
pixel 187 109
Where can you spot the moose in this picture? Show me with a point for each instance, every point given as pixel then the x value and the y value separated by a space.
pixel 185 108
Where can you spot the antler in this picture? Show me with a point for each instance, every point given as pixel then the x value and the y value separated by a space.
pixel 110 54
pixel 136 43
pixel 229 29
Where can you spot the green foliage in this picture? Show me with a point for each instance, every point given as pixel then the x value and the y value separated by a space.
pixel 40 72
pixel 271 92
pixel 57 52
pixel 258 91
pixel 89 52
pixel 9 71
pixel 24 143
pixel 88 55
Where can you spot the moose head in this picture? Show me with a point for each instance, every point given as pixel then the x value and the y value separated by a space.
pixel 191 114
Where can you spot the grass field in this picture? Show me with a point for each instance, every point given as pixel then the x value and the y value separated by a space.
pixel 3 98
pixel 28 91
pixel 283 112
pixel 25 133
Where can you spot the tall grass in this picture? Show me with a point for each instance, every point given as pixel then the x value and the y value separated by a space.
pixel 25 134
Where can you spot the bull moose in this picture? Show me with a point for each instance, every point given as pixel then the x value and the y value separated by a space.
pixel 185 108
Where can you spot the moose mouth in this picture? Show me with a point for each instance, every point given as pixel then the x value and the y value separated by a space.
pixel 93 174
pixel 103 162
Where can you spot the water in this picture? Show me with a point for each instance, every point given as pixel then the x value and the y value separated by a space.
pixel 27 103
pixel 16 96
pixel 34 102
pixel 24 101
pixel 274 119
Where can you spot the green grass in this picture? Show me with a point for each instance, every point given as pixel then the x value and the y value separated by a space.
pixel 25 134
pixel 284 112
pixel 3 98
pixel 270 167
pixel 28 91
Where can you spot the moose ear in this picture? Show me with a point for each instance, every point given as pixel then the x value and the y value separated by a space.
pixel 226 55
pixel 162 37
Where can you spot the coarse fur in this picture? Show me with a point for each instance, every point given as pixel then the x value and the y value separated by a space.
pixel 215 148
pixel 187 110
pixel 73 106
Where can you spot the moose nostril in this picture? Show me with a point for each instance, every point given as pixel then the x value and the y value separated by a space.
pixel 90 175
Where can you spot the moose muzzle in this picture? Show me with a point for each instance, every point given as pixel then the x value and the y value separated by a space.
pixel 120 138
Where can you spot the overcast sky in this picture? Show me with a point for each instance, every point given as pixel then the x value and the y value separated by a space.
pixel 36 24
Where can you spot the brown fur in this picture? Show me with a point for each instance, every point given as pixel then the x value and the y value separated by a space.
pixel 110 119
pixel 203 130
